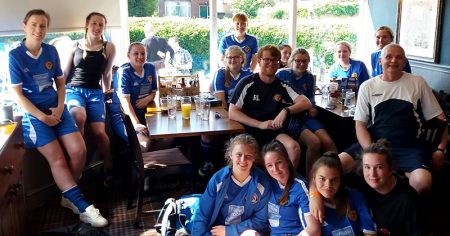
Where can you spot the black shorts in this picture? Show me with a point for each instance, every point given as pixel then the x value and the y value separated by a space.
pixel 263 136
pixel 407 157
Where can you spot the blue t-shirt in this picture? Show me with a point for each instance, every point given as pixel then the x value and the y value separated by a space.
pixel 218 84
pixel 36 74
pixel 376 67
pixel 127 83
pixel 249 46
pixel 357 221
pixel 304 83
pixel 290 218
pixel 356 66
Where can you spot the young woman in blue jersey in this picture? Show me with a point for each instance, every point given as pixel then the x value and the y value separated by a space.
pixel 224 82
pixel 346 67
pixel 134 88
pixel 236 197
pixel 312 134
pixel 288 205
pixel 47 125
pixel 89 63
pixel 346 211
pixel 383 37
pixel 247 42
pixel 225 79
pixel 286 51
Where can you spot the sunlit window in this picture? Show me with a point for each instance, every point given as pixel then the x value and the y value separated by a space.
pixel 178 8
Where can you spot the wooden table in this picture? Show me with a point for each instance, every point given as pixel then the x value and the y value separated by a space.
pixel 160 126
pixel 339 124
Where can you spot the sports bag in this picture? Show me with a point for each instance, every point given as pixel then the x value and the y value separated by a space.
pixel 176 216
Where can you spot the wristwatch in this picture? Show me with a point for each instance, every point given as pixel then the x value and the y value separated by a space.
pixel 288 111
pixel 443 150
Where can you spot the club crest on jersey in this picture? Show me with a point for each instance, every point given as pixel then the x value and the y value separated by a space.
pixel 149 78
pixel 48 65
pixel 254 198
pixel 277 97
pixel 352 215
pixel 246 49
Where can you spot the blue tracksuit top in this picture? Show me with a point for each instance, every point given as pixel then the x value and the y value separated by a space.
pixel 254 214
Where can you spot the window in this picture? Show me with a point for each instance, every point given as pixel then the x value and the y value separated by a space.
pixel 204 11
pixel 178 8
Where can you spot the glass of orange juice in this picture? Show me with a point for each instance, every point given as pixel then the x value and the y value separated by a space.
pixel 186 107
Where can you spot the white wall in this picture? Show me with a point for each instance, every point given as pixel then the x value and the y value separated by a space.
pixel 69 16
pixel 65 15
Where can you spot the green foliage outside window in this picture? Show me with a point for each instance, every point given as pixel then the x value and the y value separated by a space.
pixel 336 9
pixel 302 13
pixel 280 14
pixel 250 7
pixel 142 7
pixel 194 35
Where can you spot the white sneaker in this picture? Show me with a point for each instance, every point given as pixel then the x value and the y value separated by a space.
pixel 92 216
pixel 68 204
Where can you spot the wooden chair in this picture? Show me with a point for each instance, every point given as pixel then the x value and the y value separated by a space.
pixel 151 164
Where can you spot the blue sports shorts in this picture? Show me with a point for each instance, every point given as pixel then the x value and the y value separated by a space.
pixel 37 134
pixel 312 124
pixel 91 99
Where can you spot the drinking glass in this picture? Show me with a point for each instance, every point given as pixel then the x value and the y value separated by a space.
pixel 186 107
pixel 172 107
pixel 206 108
pixel 163 104
pixel 198 107
pixel 325 93
pixel 174 99
pixel 350 102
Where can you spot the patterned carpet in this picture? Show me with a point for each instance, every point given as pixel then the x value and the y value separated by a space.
pixel 112 203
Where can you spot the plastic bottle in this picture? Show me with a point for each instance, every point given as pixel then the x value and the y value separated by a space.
pixel 322 70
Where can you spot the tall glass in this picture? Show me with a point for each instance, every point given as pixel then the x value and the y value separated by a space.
pixel 163 104
pixel 186 107
pixel 350 102
pixel 172 107
pixel 206 108
pixel 198 108
pixel 325 93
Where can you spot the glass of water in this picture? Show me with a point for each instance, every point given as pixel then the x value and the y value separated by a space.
pixel 350 101
pixel 171 107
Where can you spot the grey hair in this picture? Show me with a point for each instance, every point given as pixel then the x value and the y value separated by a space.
pixel 391 45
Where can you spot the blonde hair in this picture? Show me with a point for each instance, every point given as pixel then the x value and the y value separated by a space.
pixel 345 43
pixel 245 139
pixel 233 49
pixel 240 16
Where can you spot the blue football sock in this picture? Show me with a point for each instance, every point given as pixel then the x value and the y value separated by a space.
pixel 206 151
pixel 74 195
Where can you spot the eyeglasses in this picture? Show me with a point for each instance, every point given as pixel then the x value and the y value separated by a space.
pixel 234 58
pixel 270 60
pixel 298 61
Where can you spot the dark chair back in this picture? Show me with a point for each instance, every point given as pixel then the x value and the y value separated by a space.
pixel 151 164
pixel 432 131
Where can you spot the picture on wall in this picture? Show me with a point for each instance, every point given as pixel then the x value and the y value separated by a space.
pixel 418 28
